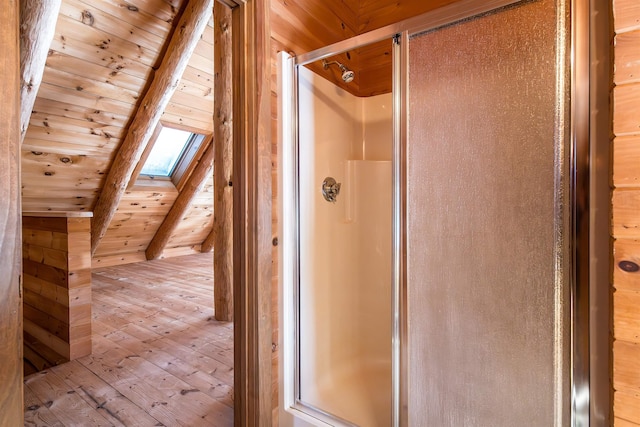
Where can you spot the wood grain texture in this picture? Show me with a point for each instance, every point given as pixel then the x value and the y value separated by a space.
pixel 626 158
pixel 159 355
pixel 165 81
pixel 626 104
pixel 626 250
pixel 626 215
pixel 57 287
pixel 626 325
pixel 10 225
pixel 627 58
pixel 221 236
pixel 252 215
pixel 626 15
pixel 625 206
pixel 37 26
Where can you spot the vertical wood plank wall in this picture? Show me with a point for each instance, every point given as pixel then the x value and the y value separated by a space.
pixel 626 213
pixel 56 254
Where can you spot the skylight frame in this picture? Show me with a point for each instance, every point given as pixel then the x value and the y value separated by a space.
pixel 190 152
pixel 167 151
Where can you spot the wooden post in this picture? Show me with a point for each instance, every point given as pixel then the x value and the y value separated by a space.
pixel 183 42
pixel 223 159
pixel 252 215
pixel 37 26
pixel 11 408
pixel 191 189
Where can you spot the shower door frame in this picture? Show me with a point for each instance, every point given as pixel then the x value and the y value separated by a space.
pixel 582 234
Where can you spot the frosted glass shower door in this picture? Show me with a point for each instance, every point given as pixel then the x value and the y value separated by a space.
pixel 487 215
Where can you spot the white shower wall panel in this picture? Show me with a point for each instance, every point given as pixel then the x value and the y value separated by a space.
pixel 345 252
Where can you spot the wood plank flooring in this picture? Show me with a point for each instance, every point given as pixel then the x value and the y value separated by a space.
pixel 159 357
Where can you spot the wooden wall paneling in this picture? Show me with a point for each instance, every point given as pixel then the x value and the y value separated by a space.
pixel 203 102
pixel 116 55
pixel 90 15
pixel 83 127
pixel 76 97
pixel 136 19
pixel 188 32
pixel 88 86
pixel 373 14
pixel 57 296
pixel 104 140
pixel 626 205
pixel 98 45
pixel 99 72
pixel 625 251
pixel 37 26
pixel 199 77
pixel 130 232
pixel 627 60
pixel 627 321
pixel 626 212
pixel 626 406
pixel 11 408
pixel 185 120
pixel 626 14
pixel 317 18
pixel 161 9
pixel 222 232
pixel 188 113
pixel 50 107
pixel 201 63
pixel 626 374
pixel 626 158
pixel 626 103
pixel 117 259
pixel 196 89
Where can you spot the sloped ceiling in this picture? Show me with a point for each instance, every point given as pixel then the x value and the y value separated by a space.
pixel 99 67
pixel 305 25
pixel 100 63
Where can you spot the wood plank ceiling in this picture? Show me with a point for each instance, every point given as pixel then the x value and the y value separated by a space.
pixel 101 62
pixel 102 58
pixel 303 26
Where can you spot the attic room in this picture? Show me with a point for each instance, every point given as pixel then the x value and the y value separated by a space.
pixel 375 212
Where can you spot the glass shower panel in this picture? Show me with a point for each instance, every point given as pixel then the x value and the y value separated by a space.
pixel 487 156
pixel 344 309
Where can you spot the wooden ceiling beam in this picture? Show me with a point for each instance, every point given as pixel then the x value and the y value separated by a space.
pixel 37 26
pixel 207 243
pixel 165 82
pixel 184 200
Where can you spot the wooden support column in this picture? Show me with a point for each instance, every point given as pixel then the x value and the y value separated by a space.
pixel 183 42
pixel 222 233
pixel 11 408
pixel 191 189
pixel 252 215
pixel 37 26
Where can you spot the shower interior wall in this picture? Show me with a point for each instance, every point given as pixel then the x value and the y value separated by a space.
pixel 345 271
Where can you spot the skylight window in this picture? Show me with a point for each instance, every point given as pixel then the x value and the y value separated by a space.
pixel 169 156
pixel 166 152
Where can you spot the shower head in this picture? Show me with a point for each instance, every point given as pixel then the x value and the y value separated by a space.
pixel 347 74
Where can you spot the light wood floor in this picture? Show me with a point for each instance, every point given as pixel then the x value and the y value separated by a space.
pixel 159 357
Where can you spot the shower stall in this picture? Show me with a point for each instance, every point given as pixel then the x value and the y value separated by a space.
pixel 433 242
